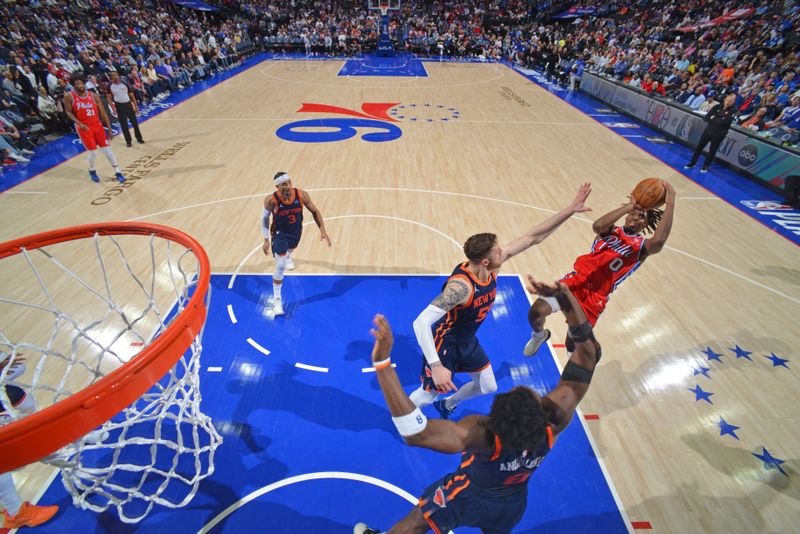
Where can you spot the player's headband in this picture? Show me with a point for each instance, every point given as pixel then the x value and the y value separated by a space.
pixel 282 179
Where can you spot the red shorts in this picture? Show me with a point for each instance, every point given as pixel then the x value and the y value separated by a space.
pixel 94 137
pixel 592 302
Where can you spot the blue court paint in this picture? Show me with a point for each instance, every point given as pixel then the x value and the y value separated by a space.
pixel 755 200
pixel 279 421
pixel 401 66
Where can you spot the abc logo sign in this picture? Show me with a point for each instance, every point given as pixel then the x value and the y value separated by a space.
pixel 748 155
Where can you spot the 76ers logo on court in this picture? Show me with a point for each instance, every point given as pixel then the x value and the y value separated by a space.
pixel 372 122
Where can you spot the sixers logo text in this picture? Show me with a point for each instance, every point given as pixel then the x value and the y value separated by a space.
pixel 375 124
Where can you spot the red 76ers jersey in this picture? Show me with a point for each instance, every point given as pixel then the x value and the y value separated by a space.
pixel 614 257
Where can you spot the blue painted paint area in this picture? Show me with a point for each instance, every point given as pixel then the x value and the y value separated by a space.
pixel 402 66
pixel 279 421
pixel 60 150
pixel 721 181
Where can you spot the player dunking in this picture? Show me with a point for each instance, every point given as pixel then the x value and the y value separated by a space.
pixel 85 109
pixel 445 330
pixel 616 253
pixel 499 452
pixel 286 206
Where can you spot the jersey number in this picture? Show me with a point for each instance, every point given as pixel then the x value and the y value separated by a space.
pixel 292 219
pixel 482 313
pixel 519 478
pixel 616 264
pixel 90 113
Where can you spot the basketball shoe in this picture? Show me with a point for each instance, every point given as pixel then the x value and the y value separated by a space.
pixel 29 515
pixel 532 346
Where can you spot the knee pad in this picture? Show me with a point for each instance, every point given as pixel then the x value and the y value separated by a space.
pixel 280 267
pixel 486 381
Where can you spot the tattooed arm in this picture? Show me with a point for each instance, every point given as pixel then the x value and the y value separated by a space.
pixel 457 292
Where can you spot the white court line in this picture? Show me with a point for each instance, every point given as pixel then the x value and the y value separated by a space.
pixel 604 114
pixel 225 273
pixel 311 367
pixel 632 135
pixel 302 478
pixel 399 121
pixel 588 433
pixel 230 313
pixel 24 192
pixel 372 369
pixel 338 217
pixel 737 275
pixel 258 347
pixel 214 369
pixel 451 193
pixel 699 198
pixel 500 74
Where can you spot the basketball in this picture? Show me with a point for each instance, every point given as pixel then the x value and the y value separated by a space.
pixel 650 193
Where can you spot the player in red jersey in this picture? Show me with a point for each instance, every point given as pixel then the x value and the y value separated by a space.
pixel 85 109
pixel 616 253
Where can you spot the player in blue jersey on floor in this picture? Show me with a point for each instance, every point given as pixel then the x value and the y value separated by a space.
pixel 285 206
pixel 446 329
pixel 500 452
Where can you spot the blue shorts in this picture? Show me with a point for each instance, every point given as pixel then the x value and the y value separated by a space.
pixel 15 394
pixel 453 502
pixel 466 357
pixel 283 242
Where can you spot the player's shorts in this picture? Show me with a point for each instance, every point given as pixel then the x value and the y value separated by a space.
pixel 592 303
pixel 283 242
pixel 466 357
pixel 15 394
pixel 453 502
pixel 94 137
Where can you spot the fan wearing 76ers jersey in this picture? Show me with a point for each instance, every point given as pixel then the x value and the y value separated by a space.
pixel 83 107
pixel 616 253
pixel 446 329
pixel 286 206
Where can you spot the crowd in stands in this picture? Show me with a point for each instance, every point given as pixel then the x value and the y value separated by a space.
pixel 159 47
pixel 156 46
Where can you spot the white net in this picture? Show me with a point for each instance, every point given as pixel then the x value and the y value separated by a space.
pixel 71 313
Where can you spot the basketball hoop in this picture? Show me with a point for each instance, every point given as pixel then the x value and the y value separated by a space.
pixel 384 9
pixel 110 319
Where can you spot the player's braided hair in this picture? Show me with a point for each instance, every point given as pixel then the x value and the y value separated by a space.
pixel 653 216
pixel 518 419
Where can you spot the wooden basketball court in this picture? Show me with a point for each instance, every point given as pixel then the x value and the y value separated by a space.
pixel 509 154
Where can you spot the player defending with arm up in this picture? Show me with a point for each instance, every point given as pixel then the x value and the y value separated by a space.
pixel 616 253
pixel 446 329
pixel 286 207
pixel 499 451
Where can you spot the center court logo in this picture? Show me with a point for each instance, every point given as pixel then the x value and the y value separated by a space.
pixel 373 116
pixel 377 122
pixel 748 155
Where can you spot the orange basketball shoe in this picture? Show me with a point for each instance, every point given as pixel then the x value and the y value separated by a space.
pixel 29 515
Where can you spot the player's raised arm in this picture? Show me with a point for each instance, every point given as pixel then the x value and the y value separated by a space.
pixel 655 244
pixel 606 223
pixel 323 235
pixel 436 434
pixel 577 374
pixel 456 293
pixel 541 231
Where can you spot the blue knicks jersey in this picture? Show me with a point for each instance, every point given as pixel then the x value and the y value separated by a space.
pixel 462 322
pixel 288 216
pixel 505 472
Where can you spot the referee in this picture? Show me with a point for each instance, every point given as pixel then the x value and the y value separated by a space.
pixel 121 96
pixel 719 120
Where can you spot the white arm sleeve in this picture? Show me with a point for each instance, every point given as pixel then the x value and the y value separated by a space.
pixel 422 329
pixel 265 223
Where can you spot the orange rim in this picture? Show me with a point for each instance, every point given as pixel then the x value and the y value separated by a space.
pixel 34 437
